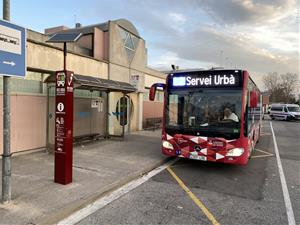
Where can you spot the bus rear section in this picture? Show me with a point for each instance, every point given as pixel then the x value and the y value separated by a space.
pixel 212 115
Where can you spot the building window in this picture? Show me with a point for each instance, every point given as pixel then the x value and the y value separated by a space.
pixel 130 43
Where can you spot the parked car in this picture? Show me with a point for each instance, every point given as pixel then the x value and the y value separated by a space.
pixel 285 112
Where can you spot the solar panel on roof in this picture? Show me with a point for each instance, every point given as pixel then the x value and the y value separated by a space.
pixel 64 37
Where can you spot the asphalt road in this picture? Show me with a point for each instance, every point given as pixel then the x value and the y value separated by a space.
pixel 249 194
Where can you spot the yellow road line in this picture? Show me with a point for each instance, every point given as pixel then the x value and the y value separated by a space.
pixel 194 198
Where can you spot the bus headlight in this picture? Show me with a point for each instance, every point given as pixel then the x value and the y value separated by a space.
pixel 235 152
pixel 167 145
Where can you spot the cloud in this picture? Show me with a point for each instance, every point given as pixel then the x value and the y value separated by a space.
pixel 177 18
pixel 176 21
pixel 164 61
pixel 206 43
pixel 259 35
pixel 247 11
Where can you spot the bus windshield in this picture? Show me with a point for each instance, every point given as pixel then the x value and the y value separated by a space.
pixel 207 112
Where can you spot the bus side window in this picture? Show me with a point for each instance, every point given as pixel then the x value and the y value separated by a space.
pixel 285 109
pixel 246 121
pixel 246 115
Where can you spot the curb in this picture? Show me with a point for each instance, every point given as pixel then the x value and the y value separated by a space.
pixel 66 211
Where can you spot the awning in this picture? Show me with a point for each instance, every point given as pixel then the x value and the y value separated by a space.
pixel 93 83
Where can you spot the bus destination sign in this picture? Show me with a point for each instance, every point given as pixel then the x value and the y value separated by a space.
pixel 219 79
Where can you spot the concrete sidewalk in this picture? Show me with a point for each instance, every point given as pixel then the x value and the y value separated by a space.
pixel 99 167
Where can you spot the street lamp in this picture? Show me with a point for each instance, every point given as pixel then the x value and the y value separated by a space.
pixel 64 38
pixel 63 162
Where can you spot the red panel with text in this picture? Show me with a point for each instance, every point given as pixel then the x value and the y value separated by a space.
pixel 63 127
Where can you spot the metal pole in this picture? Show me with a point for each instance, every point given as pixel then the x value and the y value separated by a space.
pixel 91 113
pixel 6 157
pixel 65 55
pixel 107 116
pixel 123 115
pixel 47 118
pixel 129 113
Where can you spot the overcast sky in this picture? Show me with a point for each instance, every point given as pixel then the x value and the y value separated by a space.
pixel 258 35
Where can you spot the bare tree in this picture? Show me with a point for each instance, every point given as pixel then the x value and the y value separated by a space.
pixel 282 88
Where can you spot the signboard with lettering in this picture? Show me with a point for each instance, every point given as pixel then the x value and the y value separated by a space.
pixel 206 79
pixel 12 49
pixel 64 127
pixel 134 80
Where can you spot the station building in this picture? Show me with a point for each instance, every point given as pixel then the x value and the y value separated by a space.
pixel 112 54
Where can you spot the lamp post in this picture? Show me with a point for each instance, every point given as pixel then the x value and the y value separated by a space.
pixel 63 161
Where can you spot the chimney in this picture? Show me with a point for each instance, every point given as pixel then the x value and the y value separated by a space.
pixel 77 25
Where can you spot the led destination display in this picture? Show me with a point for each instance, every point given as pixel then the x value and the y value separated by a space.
pixel 219 79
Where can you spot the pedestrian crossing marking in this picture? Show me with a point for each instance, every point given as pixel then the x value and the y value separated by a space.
pixel 265 154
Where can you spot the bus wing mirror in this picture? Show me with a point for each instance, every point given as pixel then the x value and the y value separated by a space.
pixel 253 99
pixel 153 88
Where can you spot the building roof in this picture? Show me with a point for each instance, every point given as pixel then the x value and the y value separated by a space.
pixel 126 24
pixel 93 83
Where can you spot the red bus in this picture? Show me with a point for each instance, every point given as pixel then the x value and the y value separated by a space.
pixel 210 115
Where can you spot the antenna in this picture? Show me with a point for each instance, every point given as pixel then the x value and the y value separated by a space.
pixel 75 18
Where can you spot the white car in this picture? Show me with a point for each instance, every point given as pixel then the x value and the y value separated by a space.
pixel 285 112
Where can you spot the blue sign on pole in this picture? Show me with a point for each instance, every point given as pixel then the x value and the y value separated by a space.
pixel 12 49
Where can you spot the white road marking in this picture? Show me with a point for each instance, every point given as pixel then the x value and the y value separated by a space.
pixel 267 153
pixel 102 202
pixel 286 196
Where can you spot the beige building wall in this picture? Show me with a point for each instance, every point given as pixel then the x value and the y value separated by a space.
pixel 117 54
pixel 28 122
pixel 121 69
pixel 99 47
pixel 139 60
pixel 44 57
pixel 114 125
pixel 150 79
pixel 118 73
pixel 134 118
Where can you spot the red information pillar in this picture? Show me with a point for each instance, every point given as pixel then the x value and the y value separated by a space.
pixel 63 127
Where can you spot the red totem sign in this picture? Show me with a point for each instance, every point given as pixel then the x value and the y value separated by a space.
pixel 63 127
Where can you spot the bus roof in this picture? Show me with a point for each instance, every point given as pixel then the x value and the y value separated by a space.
pixel 201 70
